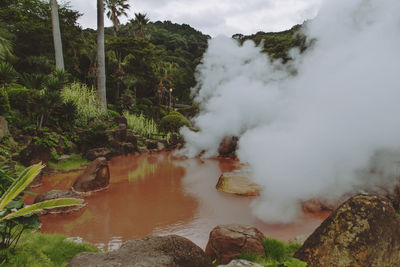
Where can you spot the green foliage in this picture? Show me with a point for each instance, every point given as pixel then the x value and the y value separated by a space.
pixel 173 122
pixel 74 162
pixel 15 217
pixel 33 80
pixel 49 139
pixel 278 44
pixel 85 100
pixel 7 73
pixel 191 111
pixel 4 102
pixel 16 94
pixel 44 250
pixel 94 135
pixel 141 125
pixel 112 113
pixel 278 254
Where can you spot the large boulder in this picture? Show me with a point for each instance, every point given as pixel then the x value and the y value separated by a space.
pixel 119 134
pixel 151 144
pixel 95 178
pixel 33 154
pixel 3 127
pixel 238 182
pixel 57 194
pixel 131 138
pixel 160 251
pixel 95 153
pixel 363 231
pixel 227 147
pixel 228 242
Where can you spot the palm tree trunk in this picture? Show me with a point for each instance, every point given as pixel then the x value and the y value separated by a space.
pixel 101 66
pixel 56 34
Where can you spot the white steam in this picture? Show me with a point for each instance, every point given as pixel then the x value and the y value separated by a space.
pixel 319 132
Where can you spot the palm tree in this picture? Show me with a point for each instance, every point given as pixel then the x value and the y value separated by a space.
pixel 116 8
pixel 56 35
pixel 101 59
pixel 139 25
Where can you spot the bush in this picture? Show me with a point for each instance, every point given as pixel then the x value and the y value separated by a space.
pixel 94 135
pixel 190 112
pixel 112 113
pixel 86 101
pixel 21 98
pixel 4 102
pixel 173 122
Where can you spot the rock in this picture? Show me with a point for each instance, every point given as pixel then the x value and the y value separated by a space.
pixel 131 138
pixel 143 150
pixel 229 241
pixel 151 144
pixel 34 153
pixel 175 140
pixel 227 147
pixel 121 120
pixel 241 263
pixel 315 206
pixel 160 251
pixel 128 148
pixel 95 178
pixel 119 134
pixel 160 146
pixel 56 194
pixel 3 127
pixel 37 181
pixel 363 231
pixel 98 153
pixel 238 182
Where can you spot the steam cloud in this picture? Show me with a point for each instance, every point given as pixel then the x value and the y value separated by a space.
pixel 317 133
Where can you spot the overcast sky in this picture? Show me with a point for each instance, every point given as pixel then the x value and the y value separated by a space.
pixel 213 17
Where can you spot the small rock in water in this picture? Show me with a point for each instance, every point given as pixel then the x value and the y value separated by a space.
pixel 241 263
pixel 238 182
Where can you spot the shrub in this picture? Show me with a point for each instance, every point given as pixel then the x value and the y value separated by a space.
pixel 86 101
pixel 173 122
pixel 112 113
pixel 95 135
pixel 191 111
pixel 21 98
pixel 4 102
pixel 7 73
pixel 141 125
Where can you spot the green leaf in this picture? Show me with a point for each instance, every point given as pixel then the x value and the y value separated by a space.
pixel 49 204
pixel 24 179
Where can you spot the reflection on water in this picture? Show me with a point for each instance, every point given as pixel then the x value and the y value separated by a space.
pixel 158 195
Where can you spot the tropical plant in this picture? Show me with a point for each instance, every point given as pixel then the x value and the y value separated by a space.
pixel 11 230
pixel 86 101
pixel 116 8
pixel 101 59
pixel 173 122
pixel 138 26
pixel 33 80
pixel 141 125
pixel 5 48
pixel 7 73
pixel 56 35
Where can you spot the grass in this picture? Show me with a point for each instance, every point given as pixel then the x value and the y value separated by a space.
pixel 141 125
pixel 72 163
pixel 43 250
pixel 278 254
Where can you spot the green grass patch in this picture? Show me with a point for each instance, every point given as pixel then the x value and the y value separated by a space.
pixel 279 254
pixel 42 250
pixel 74 162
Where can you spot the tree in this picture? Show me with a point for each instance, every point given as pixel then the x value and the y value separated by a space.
pixel 55 22
pixel 116 8
pixel 101 59
pixel 139 24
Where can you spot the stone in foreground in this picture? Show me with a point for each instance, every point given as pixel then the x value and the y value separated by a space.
pixel 228 242
pixel 95 178
pixel 160 251
pixel 238 182
pixel 241 263
pixel 100 152
pixel 363 231
pixel 56 194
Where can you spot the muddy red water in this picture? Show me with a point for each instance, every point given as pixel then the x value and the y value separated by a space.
pixel 159 194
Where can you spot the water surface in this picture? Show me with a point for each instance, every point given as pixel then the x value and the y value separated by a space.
pixel 160 194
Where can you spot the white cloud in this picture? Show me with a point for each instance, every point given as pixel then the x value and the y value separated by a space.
pixel 215 17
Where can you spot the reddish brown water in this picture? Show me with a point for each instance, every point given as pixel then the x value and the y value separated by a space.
pixel 157 195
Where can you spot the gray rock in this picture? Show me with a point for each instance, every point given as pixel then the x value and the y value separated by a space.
pixel 56 194
pixel 241 263
pixel 159 251
pixel 98 153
